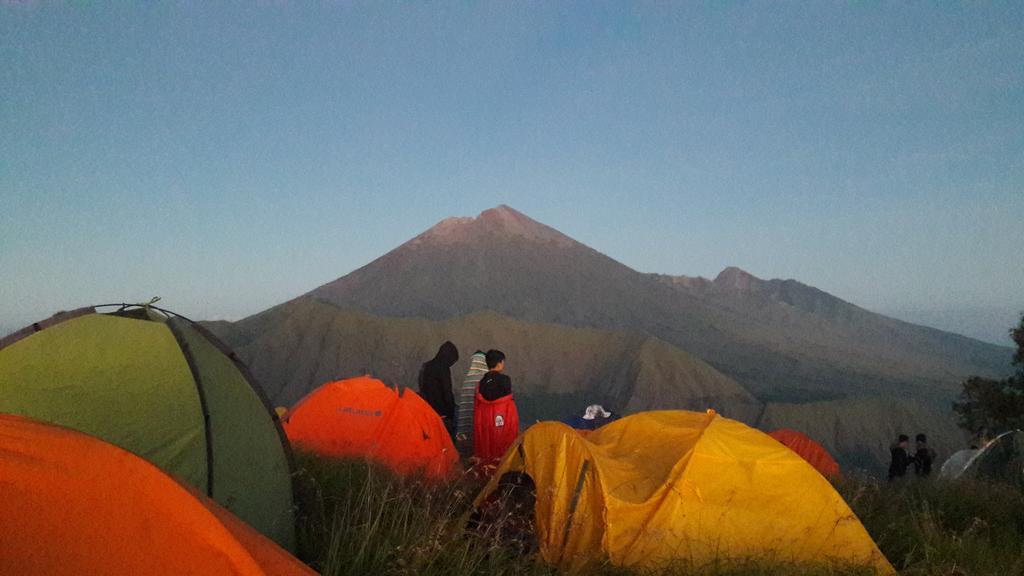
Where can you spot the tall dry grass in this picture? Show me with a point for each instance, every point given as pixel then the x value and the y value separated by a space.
pixel 359 519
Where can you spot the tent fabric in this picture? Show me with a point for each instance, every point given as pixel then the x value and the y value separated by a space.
pixel 809 450
pixel 955 465
pixel 243 432
pixel 1000 460
pixel 680 488
pixel 163 388
pixel 364 418
pixel 467 394
pixel 72 504
pixel 495 427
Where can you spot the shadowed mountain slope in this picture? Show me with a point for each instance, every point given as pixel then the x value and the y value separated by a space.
pixel 295 347
pixel 557 370
pixel 860 430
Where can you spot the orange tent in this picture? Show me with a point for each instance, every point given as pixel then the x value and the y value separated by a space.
pixel 73 504
pixel 364 418
pixel 809 450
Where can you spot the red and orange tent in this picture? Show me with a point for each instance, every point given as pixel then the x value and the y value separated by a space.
pixel 364 418
pixel 809 450
pixel 73 504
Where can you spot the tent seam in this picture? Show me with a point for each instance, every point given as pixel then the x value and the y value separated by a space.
pixel 15 337
pixel 197 379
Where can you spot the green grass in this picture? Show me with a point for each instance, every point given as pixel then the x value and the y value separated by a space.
pixel 358 519
pixel 932 528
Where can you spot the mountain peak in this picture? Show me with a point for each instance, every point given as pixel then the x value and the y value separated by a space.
pixel 503 211
pixel 736 279
pixel 511 220
pixel 501 221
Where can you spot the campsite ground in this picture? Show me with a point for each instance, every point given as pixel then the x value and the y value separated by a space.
pixel 358 519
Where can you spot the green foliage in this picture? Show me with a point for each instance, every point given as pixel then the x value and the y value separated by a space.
pixel 991 405
pixel 357 519
pixel 995 405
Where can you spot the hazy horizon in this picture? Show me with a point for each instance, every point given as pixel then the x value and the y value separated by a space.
pixel 230 158
pixel 986 323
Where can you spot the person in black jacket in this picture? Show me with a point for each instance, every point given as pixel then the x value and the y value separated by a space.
pixel 923 457
pixel 435 384
pixel 900 459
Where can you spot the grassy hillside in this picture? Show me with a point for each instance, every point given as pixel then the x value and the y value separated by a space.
pixel 557 370
pixel 356 519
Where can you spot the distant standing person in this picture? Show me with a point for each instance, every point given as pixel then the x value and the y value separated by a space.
pixel 495 416
pixel 901 460
pixel 923 457
pixel 435 384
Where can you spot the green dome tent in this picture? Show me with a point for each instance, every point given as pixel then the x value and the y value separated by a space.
pixel 163 387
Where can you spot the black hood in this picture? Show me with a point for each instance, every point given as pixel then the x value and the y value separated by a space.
pixel 447 354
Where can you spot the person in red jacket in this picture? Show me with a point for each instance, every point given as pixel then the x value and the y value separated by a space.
pixel 495 416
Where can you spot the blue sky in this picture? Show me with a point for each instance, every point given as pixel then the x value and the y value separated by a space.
pixel 230 157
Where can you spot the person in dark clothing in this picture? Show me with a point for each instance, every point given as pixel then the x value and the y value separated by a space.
pixel 923 457
pixel 901 460
pixel 495 384
pixel 435 383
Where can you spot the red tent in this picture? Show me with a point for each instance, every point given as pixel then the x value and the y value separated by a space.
pixel 809 450
pixel 364 418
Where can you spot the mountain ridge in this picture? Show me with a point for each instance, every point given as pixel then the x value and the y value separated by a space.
pixel 749 328
pixel 502 219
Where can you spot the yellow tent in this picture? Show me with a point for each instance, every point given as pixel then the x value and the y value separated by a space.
pixel 681 487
